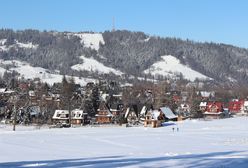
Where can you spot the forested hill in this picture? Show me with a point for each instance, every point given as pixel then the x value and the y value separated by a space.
pixel 128 52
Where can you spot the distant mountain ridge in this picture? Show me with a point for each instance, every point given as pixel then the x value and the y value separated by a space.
pixel 125 52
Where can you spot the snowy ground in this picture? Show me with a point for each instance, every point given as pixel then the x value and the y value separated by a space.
pixel 197 144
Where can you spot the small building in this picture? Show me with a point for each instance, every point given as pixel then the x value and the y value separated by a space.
pixel 203 106
pixel 61 116
pixel 184 110
pixel 246 107
pixel 132 115
pixel 153 118
pixel 214 110
pixel 103 115
pixel 168 114
pixel 116 109
pixel 206 94
pixel 236 106
pixel 78 117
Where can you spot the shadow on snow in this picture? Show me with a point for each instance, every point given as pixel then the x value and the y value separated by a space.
pixel 192 161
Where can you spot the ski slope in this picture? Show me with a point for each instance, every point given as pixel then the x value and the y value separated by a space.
pixel 197 144
pixel 169 65
pixel 91 40
pixel 29 72
pixel 90 64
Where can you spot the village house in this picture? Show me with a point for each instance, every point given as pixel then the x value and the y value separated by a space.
pixel 61 117
pixel 153 118
pixel 214 110
pixel 203 106
pixel 206 94
pixel 184 109
pixel 103 115
pixel 236 106
pixel 246 107
pixel 78 117
pixel 132 114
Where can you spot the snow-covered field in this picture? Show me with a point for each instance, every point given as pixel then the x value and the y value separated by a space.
pixel 197 144
pixel 90 64
pixel 170 64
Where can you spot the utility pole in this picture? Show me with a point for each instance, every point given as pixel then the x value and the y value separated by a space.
pixel 15 113
pixel 69 110
pixel 14 122
pixel 113 28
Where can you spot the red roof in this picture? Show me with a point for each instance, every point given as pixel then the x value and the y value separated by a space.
pixel 235 106
pixel 214 107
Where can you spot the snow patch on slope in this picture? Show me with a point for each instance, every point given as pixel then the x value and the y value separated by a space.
pixel 3 41
pixel 26 45
pixel 169 65
pixel 17 44
pixel 91 40
pixel 29 72
pixel 90 64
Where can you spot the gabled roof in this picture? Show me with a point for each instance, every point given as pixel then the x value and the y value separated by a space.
pixel 60 112
pixel 77 114
pixel 168 113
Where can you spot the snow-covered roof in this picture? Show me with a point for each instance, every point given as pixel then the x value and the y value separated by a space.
pixel 168 113
pixel 99 115
pixel 34 110
pixel 31 93
pixel 203 104
pixel 184 105
pixel 77 114
pixel 6 91
pixel 2 90
pixel 155 114
pixel 143 110
pixel 61 114
pixel 207 94
pixel 127 112
pixel 246 103
pixel 217 113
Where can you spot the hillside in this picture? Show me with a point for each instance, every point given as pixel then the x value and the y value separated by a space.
pixel 124 52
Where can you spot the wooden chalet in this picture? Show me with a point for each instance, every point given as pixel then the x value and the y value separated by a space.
pixel 214 110
pixel 154 118
pixel 78 117
pixel 132 115
pixel 103 115
pixel 236 106
pixel 184 109
pixel 116 109
pixel 32 98
pixel 61 116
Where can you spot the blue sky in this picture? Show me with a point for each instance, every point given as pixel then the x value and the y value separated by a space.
pixel 221 21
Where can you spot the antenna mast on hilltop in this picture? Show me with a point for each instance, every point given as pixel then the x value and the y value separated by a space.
pixel 113 26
